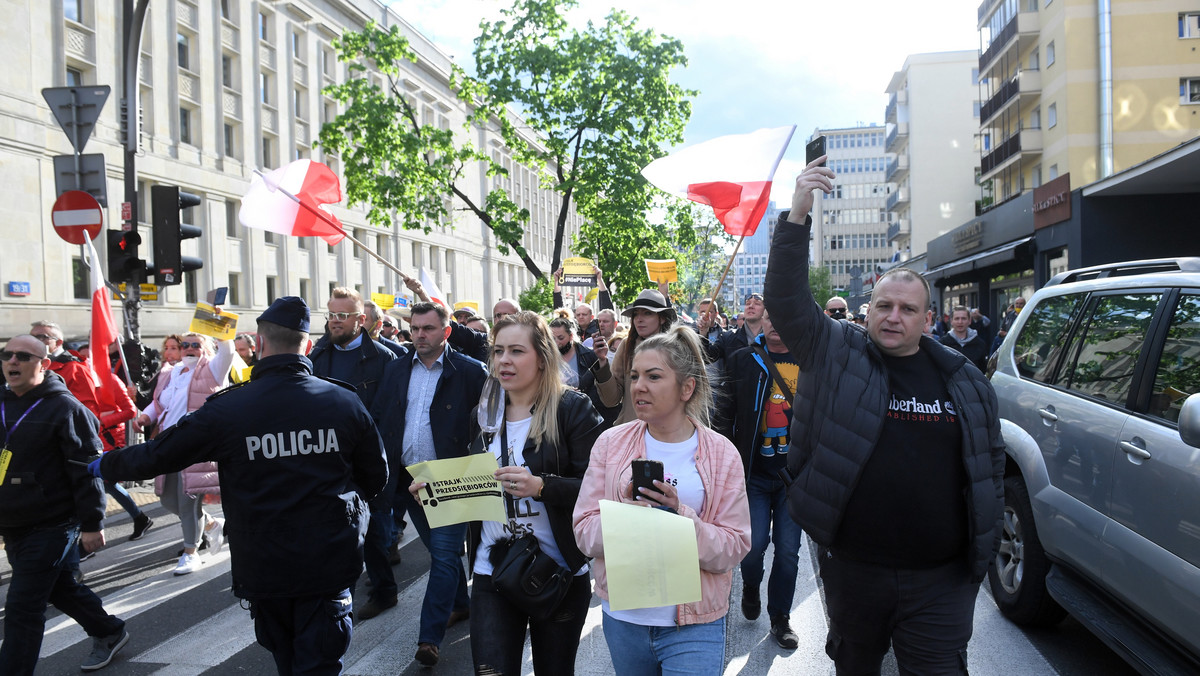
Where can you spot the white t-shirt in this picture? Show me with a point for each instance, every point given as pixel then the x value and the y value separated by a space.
pixel 679 470
pixel 530 513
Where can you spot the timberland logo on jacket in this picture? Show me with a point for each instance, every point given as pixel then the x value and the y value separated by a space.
pixel 919 411
pixel 296 442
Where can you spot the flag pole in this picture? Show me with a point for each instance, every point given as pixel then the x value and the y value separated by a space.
pixel 319 213
pixel 717 291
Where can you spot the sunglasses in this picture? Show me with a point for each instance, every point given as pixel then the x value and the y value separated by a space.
pixel 44 337
pixel 340 316
pixel 6 355
pixel 185 345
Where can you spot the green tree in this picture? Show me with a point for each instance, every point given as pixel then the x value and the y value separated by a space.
pixel 820 283
pixel 402 168
pixel 538 298
pixel 703 251
pixel 602 106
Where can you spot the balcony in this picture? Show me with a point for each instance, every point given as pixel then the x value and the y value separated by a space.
pixel 899 98
pixel 1017 34
pixel 896 168
pixel 1024 143
pixel 898 230
pixel 1025 83
pixel 897 137
pixel 898 197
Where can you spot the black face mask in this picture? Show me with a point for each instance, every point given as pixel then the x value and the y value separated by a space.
pixel 564 349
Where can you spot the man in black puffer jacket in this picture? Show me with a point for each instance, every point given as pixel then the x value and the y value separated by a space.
pixel 897 462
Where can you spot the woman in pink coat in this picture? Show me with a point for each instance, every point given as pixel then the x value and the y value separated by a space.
pixel 704 482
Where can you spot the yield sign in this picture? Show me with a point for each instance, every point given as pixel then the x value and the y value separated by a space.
pixel 77 109
pixel 77 217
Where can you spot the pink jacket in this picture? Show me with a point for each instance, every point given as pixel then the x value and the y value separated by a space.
pixel 722 527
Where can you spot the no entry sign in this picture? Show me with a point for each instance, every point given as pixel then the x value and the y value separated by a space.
pixel 77 216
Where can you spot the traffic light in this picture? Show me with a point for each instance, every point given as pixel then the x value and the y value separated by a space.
pixel 166 201
pixel 123 258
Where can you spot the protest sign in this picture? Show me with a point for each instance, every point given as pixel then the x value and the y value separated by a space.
pixel 459 490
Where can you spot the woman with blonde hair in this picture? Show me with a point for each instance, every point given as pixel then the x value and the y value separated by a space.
pixel 703 481
pixel 542 446
pixel 649 315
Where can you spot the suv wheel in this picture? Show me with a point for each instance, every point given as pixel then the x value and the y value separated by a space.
pixel 1018 572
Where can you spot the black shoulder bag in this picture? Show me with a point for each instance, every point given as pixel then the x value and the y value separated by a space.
pixel 525 575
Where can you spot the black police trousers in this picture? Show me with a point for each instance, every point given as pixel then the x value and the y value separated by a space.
pixel 308 636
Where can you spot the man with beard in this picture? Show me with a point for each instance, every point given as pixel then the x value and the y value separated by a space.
pixel 348 353
pixel 581 364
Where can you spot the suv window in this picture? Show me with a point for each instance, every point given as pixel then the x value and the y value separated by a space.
pixel 1044 336
pixel 1178 373
pixel 1108 345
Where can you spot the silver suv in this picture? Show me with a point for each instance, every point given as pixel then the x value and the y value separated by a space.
pixel 1098 382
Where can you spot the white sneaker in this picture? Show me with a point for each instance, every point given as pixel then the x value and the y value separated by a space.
pixel 216 536
pixel 188 563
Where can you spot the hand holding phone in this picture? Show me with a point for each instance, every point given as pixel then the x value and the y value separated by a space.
pixel 645 473
pixel 815 149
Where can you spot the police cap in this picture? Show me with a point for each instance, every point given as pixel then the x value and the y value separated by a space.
pixel 290 312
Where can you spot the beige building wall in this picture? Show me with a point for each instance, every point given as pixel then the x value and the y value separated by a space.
pixel 237 89
pixel 933 125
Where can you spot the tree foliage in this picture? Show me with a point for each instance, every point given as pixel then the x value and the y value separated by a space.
pixel 538 298
pixel 821 284
pixel 702 245
pixel 602 106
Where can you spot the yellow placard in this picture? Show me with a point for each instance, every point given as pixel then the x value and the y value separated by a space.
pixel 662 271
pixel 578 265
pixel 149 291
pixel 650 557
pixel 592 295
pixel 207 322
pixel 459 490
pixel 385 301
pixel 468 304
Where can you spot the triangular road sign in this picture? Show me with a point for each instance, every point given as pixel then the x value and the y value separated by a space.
pixel 77 109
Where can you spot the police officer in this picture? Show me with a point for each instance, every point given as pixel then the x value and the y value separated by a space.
pixel 290 447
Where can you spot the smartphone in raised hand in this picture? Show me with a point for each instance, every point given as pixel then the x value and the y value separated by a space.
pixel 814 149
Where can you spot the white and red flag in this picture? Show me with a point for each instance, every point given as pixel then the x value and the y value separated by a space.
pixel 431 288
pixel 732 174
pixel 290 201
pixel 104 328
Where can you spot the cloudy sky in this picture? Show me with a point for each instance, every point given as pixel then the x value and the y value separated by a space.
pixel 759 63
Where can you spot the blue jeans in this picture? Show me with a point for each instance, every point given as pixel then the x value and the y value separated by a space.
pixel 375 555
pixel 40 576
pixel 447 587
pixel 306 635
pixel 123 498
pixel 770 522
pixel 690 650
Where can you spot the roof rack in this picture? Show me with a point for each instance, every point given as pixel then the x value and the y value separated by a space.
pixel 1127 268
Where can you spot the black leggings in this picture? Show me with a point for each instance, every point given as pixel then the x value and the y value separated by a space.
pixel 498 631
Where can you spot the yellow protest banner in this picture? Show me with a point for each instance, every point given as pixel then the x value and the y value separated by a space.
pixel 208 322
pixel 459 490
pixel 468 304
pixel 650 556
pixel 385 301
pixel 662 271
pixel 578 265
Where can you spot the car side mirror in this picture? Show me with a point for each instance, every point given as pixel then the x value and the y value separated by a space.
pixel 1189 421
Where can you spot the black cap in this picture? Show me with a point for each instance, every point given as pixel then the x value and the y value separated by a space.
pixel 290 312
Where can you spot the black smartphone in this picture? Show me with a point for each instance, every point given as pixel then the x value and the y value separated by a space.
pixel 645 473
pixel 218 296
pixel 814 149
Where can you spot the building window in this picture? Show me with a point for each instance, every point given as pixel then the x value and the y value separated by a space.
pixel 264 85
pixel 235 288
pixel 231 143
pixel 1189 91
pixel 74 78
pixel 1053 171
pixel 297 46
pixel 975 109
pixel 272 289
pixel 1035 118
pixel 227 70
pixel 304 291
pixel 327 62
pixel 268 152
pixel 298 103
pixel 1050 54
pixel 1189 25
pixel 1035 176
pixel 227 10
pixel 1034 59
pixel 304 243
pixel 182 50
pixel 231 219
pixel 264 26
pixel 271 238
pixel 185 125
pixel 191 289
pixel 80 279
pixel 1052 116
pixel 73 10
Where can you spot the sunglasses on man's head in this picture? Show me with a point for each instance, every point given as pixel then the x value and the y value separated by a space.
pixel 6 355
pixel 185 345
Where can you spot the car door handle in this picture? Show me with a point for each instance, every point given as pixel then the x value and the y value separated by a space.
pixel 1048 414
pixel 1134 450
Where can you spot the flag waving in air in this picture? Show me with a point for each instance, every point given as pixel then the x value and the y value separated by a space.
pixel 104 329
pixel 290 201
pixel 431 288
pixel 732 174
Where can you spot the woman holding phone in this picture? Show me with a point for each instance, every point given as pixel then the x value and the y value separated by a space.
pixel 703 481
pixel 549 429
pixel 649 315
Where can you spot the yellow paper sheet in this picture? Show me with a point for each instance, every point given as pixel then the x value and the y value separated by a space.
pixel 662 271
pixel 578 265
pixel 385 301
pixel 460 490
pixel 207 322
pixel 650 557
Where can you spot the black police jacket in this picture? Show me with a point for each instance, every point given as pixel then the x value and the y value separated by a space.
pixel 288 446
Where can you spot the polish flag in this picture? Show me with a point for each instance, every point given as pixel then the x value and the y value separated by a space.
pixel 732 174
pixel 291 201
pixel 104 329
pixel 431 289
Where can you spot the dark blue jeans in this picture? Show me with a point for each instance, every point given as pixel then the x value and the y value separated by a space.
pixel 306 635
pixel 498 631
pixel 769 522
pixel 375 554
pixel 447 587
pixel 40 576
pixel 926 615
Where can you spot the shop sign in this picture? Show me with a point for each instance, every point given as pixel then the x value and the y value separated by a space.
pixel 1052 202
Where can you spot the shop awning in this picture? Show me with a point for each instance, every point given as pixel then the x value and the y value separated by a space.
pixel 983 259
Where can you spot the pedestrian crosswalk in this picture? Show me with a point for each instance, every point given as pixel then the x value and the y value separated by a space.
pixel 192 625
